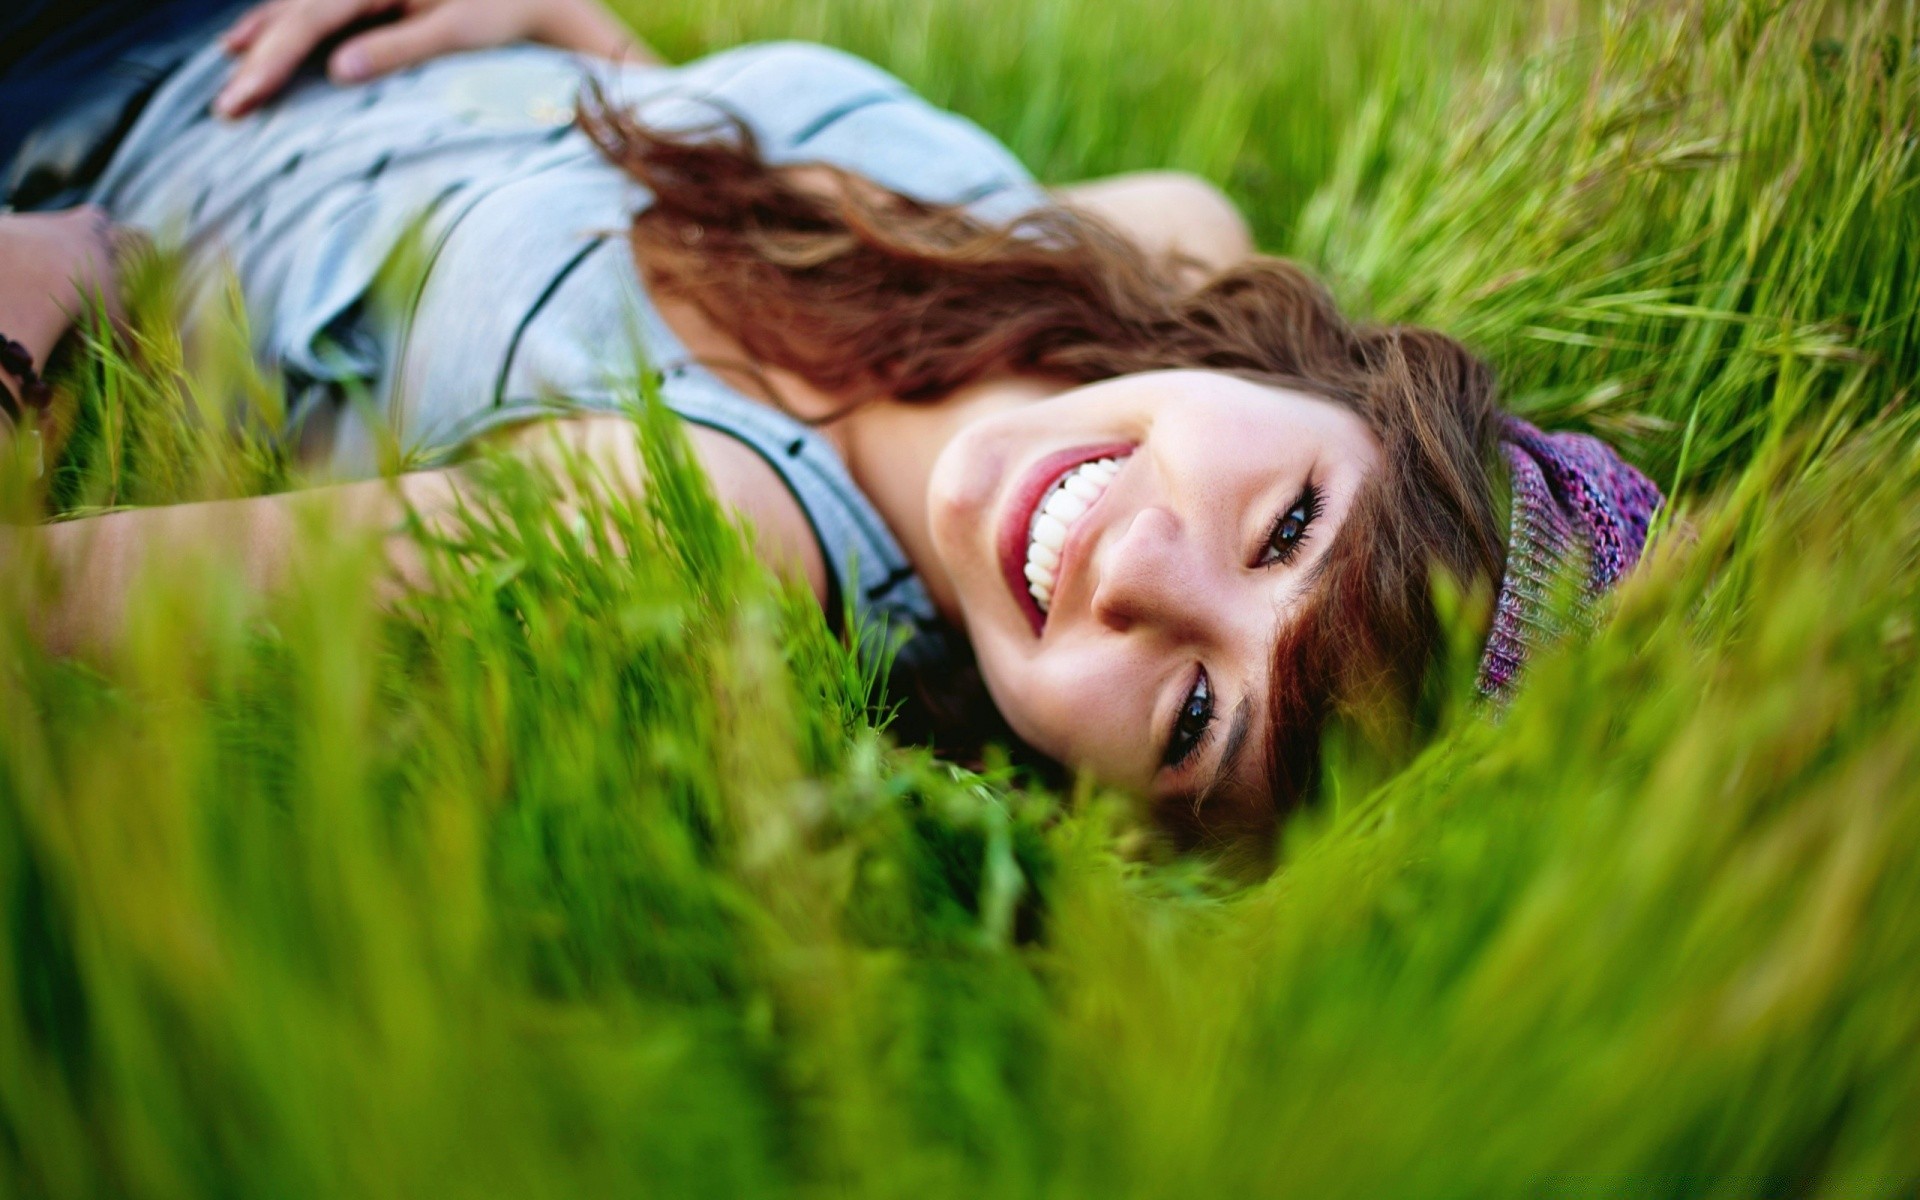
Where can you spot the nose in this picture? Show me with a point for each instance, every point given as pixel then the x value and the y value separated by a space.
pixel 1146 577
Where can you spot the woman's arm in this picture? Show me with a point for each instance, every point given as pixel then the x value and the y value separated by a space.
pixel 52 267
pixel 272 39
pixel 97 560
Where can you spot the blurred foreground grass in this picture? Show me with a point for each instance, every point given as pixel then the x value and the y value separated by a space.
pixel 589 872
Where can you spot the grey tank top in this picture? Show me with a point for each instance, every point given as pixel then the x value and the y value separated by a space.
pixel 527 301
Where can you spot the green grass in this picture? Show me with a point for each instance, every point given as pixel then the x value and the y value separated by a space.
pixel 589 874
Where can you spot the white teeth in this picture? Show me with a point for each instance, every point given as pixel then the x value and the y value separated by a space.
pixel 1050 531
pixel 1079 485
pixel 1069 500
pixel 1039 583
pixel 1066 506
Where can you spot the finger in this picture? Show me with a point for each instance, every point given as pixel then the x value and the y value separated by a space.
pixel 242 32
pixel 412 39
pixel 279 49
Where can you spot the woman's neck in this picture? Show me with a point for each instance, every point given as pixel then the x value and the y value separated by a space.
pixel 889 447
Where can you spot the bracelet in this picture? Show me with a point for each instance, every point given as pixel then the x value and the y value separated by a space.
pixel 17 361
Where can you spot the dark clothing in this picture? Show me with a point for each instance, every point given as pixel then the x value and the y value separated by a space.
pixel 73 76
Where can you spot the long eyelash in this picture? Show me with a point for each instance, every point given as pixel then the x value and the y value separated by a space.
pixel 1313 501
pixel 1206 731
pixel 1199 743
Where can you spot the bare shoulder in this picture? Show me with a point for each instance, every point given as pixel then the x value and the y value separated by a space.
pixel 746 483
pixel 1169 213
pixel 742 480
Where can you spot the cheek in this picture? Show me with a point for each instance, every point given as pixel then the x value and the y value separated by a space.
pixel 1238 451
pixel 1077 705
pixel 1025 697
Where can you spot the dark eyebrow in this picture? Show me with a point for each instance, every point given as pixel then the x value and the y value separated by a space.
pixel 1236 741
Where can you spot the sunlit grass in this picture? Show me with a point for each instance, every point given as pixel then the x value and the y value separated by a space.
pixel 588 873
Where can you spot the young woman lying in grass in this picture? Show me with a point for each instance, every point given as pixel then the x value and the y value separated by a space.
pixel 1150 490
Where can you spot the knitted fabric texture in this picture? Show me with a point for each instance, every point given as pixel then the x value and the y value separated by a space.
pixel 1575 503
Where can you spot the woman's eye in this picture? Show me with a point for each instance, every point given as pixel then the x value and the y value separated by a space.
pixel 1190 725
pixel 1289 533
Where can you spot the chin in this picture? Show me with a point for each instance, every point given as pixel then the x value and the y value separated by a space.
pixel 960 494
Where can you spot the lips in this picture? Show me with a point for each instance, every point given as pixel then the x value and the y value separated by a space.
pixel 1016 520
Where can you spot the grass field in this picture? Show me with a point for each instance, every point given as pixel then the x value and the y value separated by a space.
pixel 590 875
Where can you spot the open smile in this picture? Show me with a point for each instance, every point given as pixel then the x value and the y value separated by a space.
pixel 1053 496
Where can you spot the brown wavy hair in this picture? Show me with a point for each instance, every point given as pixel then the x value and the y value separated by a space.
pixel 865 293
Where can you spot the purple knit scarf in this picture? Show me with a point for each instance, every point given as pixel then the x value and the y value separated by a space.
pixel 1574 500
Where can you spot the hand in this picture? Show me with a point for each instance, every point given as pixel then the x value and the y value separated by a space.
pixel 273 38
pixel 57 265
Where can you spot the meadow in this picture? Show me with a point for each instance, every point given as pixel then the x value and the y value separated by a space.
pixel 588 873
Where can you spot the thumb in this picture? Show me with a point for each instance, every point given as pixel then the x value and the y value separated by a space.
pixel 412 39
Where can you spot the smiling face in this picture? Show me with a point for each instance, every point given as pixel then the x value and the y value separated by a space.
pixel 1124 556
